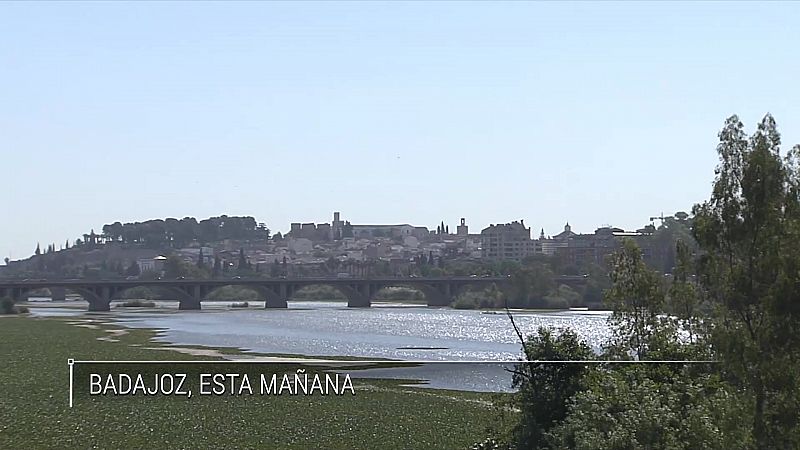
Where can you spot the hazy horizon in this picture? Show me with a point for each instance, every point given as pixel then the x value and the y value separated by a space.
pixel 593 113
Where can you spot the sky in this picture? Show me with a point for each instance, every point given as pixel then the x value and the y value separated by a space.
pixel 596 113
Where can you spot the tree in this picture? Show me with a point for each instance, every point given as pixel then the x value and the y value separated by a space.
pixel 242 260
pixel 529 285
pixel 200 262
pixel 683 295
pixel 175 267
pixel 217 266
pixel 636 298
pixel 66 245
pixel 133 269
pixel 447 229
pixel 545 389
pixel 6 259
pixel 749 231
pixel 38 250
pixel 622 410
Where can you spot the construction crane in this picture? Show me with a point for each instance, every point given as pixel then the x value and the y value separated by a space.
pixel 661 218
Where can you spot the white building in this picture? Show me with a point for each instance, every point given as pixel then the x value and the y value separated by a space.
pixel 151 264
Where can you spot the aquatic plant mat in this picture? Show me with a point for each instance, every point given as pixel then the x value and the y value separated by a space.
pixel 36 412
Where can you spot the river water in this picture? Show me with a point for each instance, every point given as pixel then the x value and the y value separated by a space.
pixel 468 346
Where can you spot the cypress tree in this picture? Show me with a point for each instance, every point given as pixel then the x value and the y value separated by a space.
pixel 242 259
pixel 217 265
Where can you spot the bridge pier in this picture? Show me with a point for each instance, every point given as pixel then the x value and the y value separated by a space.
pixel 99 299
pixel 189 304
pixel 438 300
pixel 360 295
pixel 189 293
pixel 58 294
pixel 189 298
pixel 99 305
pixel 279 299
pixel 358 301
pixel 275 302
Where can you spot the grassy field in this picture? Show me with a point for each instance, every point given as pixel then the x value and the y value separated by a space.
pixel 34 410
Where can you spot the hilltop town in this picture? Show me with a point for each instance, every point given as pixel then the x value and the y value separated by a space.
pixel 230 245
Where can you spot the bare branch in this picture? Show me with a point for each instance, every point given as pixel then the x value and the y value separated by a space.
pixel 517 330
pixel 521 338
pixel 525 375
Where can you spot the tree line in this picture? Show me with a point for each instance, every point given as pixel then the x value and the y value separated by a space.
pixel 732 307
pixel 177 233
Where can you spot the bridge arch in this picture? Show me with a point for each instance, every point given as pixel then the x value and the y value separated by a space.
pixel 352 292
pixel 91 296
pixel 319 292
pixel 434 296
pixel 267 294
pixel 161 292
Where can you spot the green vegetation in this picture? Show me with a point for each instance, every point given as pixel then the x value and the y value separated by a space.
pixel 7 306
pixel 234 293
pixel 35 410
pixel 319 292
pixel 399 294
pixel 547 386
pixel 329 293
pixel 175 267
pixel 733 300
pixel 530 287
pixel 179 233
pixel 137 304
pixel 139 292
pixel 490 297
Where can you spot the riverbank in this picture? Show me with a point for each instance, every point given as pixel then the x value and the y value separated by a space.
pixel 36 415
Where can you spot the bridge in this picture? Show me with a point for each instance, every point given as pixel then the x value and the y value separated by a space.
pixel 190 293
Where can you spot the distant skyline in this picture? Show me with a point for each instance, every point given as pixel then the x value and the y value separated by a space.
pixel 596 113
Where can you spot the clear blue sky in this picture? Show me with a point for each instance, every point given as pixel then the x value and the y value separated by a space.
pixel 594 112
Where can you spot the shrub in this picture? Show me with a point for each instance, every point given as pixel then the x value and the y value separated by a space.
pixel 138 293
pixel 555 302
pixel 487 298
pixel 399 294
pixel 7 306
pixel 138 304
pixel 231 293
pixel 466 302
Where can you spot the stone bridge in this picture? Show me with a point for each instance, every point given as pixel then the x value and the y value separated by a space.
pixel 439 291
pixel 190 293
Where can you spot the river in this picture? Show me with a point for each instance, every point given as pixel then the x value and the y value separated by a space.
pixel 467 346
